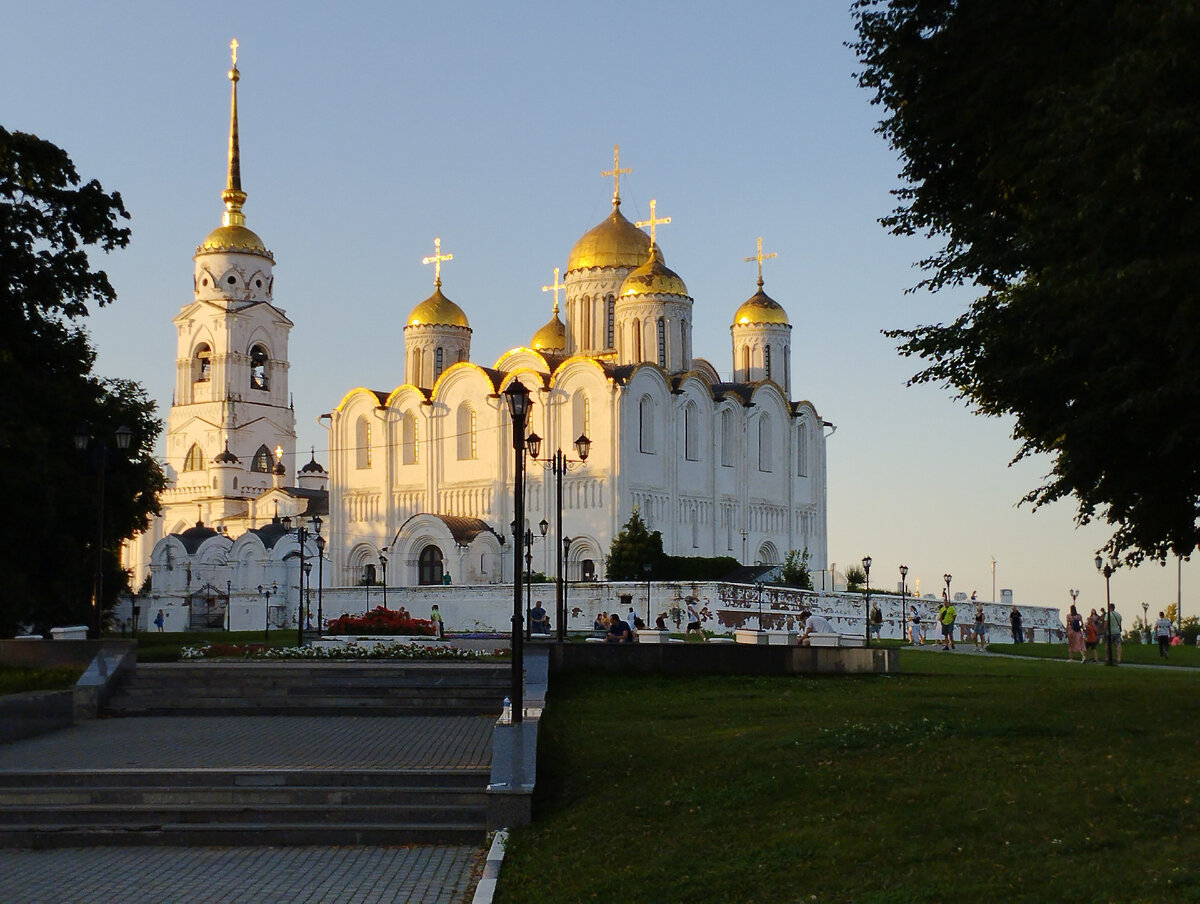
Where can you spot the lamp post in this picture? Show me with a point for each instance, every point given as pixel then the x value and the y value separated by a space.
pixel 100 457
pixel 646 568
pixel 903 598
pixel 759 587
pixel 383 565
pixel 267 594
pixel 559 464
pixel 866 563
pixel 518 407
pixel 307 592
pixel 301 541
pixel 566 547
pixel 228 606
pixel 1146 620
pixel 316 525
pixel 1106 569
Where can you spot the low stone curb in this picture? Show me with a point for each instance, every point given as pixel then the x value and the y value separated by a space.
pixel 486 889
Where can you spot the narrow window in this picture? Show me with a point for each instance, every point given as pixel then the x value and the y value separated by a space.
pixel 467 448
pixel 637 339
pixel 362 443
pixel 802 450
pixel 646 425
pixel 258 368
pixel 203 364
pixel 767 361
pixel 727 443
pixel 691 439
pixel 437 362
pixel 408 438
pixel 195 459
pixel 764 443
pixel 746 363
pixel 610 307
pixel 662 343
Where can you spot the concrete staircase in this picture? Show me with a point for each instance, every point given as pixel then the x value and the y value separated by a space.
pixel 312 688
pixel 242 808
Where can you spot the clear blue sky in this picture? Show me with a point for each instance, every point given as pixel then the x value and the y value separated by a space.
pixel 369 128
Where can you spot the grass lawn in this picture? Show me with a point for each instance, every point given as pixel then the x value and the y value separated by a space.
pixel 21 680
pixel 1146 654
pixel 964 778
pixel 165 647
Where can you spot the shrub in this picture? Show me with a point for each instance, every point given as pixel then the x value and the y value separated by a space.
pixel 382 621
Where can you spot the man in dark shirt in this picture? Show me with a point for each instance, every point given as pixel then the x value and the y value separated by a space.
pixel 618 631
pixel 539 621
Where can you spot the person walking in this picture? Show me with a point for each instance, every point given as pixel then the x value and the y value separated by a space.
pixel 1162 631
pixel 158 621
pixel 436 617
pixel 1112 627
pixel 948 616
pixel 1091 634
pixel 914 627
pixel 693 621
pixel 979 629
pixel 1075 635
pixel 1014 619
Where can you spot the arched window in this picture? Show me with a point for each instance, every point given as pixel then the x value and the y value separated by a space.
pixel 764 443
pixel 646 425
pixel 195 459
pixel 416 367
pixel 637 339
pixel 362 443
pixel 684 334
pixel 802 449
pixel 585 322
pixel 767 361
pixel 202 363
pixel 691 434
pixel 258 368
pixel 429 566
pixel 728 445
pixel 746 363
pixel 581 415
pixel 610 307
pixel 467 448
pixel 409 449
pixel 438 355
pixel 662 342
pixel 261 463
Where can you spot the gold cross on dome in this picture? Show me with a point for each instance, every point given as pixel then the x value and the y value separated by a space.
pixel 233 46
pixel 615 172
pixel 760 257
pixel 652 222
pixel 555 289
pixel 436 259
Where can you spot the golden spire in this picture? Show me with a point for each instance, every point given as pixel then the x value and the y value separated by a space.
pixel 555 288
pixel 233 196
pixel 436 260
pixel 760 257
pixel 652 222
pixel 615 172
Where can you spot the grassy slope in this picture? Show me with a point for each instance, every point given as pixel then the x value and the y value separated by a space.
pixel 999 779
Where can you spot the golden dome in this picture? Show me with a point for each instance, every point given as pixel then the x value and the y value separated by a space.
pixel 233 238
pixel 653 277
pixel 613 243
pixel 551 337
pixel 437 310
pixel 760 308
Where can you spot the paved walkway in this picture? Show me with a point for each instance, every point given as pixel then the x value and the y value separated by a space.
pixel 155 875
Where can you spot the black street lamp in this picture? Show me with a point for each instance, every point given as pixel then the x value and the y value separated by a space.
pixel 1106 569
pixel 559 464
pixel 316 526
pixel 646 568
pixel 383 565
pixel 228 605
pixel 301 541
pixel 903 599
pixel 307 592
pixel 759 587
pixel 866 563
pixel 100 456
pixel 267 594
pixel 518 407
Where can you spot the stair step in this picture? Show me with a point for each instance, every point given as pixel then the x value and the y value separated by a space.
pixel 245 835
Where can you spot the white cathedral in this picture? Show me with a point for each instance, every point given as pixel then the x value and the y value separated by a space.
pixel 424 473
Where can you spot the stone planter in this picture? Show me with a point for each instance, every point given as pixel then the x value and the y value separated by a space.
pixel 755 637
pixel 649 635
pixel 782 638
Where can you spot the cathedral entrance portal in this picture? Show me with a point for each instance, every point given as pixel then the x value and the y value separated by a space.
pixel 430 566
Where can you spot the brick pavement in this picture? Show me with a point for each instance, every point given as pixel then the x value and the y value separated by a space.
pixel 154 875
pixel 265 742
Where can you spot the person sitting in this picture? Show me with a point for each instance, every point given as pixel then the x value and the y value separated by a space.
pixel 660 624
pixel 814 624
pixel 539 621
pixel 600 625
pixel 618 631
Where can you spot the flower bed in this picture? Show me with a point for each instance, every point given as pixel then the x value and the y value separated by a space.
pixel 382 621
pixel 374 651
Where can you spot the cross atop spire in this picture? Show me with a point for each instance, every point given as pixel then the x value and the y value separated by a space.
pixel 760 257
pixel 615 172
pixel 555 289
pixel 436 259
pixel 233 196
pixel 652 222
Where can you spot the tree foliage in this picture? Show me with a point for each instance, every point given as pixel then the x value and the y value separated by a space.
pixel 48 221
pixel 856 579
pixel 634 548
pixel 1052 146
pixel 794 571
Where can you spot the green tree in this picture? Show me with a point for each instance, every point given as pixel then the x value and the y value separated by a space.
pixel 48 221
pixel 856 579
pixel 1052 147
pixel 634 548
pixel 794 572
